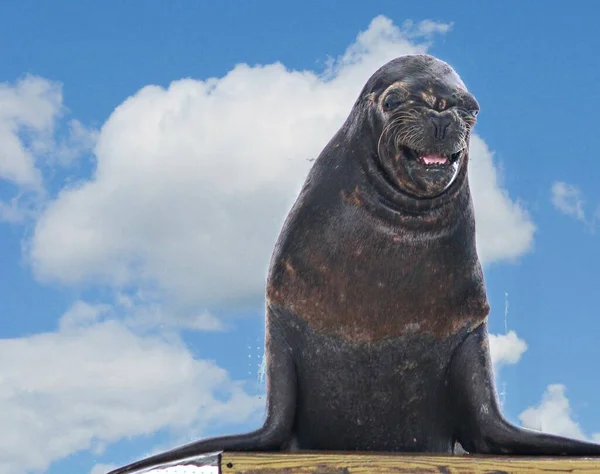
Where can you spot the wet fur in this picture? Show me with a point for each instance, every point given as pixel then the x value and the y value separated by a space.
pixel 376 332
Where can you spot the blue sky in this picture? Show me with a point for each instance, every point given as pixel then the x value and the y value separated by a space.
pixel 136 222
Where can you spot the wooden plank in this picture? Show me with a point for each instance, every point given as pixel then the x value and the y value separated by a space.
pixel 371 463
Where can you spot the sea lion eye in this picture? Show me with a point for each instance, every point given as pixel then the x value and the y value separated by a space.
pixel 473 112
pixel 392 101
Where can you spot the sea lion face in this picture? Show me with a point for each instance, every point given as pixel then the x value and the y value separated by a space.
pixel 424 119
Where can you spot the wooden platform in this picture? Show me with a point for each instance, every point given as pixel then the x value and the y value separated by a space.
pixel 343 463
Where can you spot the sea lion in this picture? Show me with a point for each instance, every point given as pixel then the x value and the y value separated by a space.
pixel 376 321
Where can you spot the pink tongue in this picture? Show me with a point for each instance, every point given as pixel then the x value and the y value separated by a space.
pixel 434 159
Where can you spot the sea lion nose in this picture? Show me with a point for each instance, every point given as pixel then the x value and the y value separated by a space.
pixel 440 124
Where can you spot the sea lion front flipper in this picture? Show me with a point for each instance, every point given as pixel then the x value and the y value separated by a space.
pixel 479 425
pixel 277 428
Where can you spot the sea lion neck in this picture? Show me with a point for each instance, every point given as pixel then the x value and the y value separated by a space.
pixel 377 184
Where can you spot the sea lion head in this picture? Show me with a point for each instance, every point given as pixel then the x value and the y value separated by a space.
pixel 421 115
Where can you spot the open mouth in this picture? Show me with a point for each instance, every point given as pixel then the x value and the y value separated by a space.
pixel 430 160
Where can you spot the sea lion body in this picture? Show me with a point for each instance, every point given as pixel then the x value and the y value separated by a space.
pixel 376 324
pixel 372 370
pixel 386 396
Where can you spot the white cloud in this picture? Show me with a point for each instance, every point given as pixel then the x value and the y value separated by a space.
pixel 29 107
pixel 506 348
pixel 193 182
pixel 205 322
pixel 553 415
pixel 567 199
pixel 145 312
pixel 103 468
pixel 78 141
pixel 82 314
pixel 29 113
pixel 504 229
pixel 428 27
pixel 12 211
pixel 96 381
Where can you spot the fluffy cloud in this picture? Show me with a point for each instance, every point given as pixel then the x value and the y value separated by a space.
pixel 504 228
pixel 193 181
pixel 144 311
pixel 95 381
pixel 103 468
pixel 567 199
pixel 428 27
pixel 30 106
pixel 553 415
pixel 506 348
pixel 29 113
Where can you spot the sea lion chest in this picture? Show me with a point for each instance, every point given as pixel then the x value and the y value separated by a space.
pixel 348 274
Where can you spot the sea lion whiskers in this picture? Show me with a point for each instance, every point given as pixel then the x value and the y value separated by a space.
pixel 389 130
pixel 411 136
pixel 462 139
pixel 383 134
